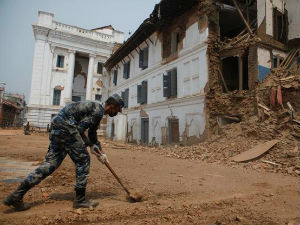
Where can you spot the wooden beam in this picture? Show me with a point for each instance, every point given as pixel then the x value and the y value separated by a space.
pixel 242 16
pixel 240 73
pixel 223 81
pixel 146 43
pixel 151 41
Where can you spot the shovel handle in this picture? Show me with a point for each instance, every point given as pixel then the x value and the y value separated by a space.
pixel 116 176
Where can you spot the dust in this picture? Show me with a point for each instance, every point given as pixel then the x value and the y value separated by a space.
pixel 137 195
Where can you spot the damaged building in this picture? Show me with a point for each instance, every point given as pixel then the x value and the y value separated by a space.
pixel 67 66
pixel 12 109
pixel 194 65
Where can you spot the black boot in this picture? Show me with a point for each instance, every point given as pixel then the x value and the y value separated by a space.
pixel 81 202
pixel 15 199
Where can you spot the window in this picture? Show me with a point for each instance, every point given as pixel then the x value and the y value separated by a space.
pixel 100 68
pixel 277 60
pixel 280 25
pixel 174 42
pixel 125 97
pixel 143 58
pixel 170 43
pixel 98 97
pixel 170 83
pixel 142 93
pixel 56 97
pixel 76 98
pixel 126 71
pixel 115 77
pixel 60 61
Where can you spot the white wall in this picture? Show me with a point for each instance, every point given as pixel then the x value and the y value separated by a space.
pixel 293 7
pixel 265 9
pixel 264 57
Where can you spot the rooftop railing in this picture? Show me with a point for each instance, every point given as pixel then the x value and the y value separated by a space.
pixel 83 32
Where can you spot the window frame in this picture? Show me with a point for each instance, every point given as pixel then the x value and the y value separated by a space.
pixel 100 72
pixel 170 86
pixel 126 70
pixel 115 77
pixel 60 61
pixel 144 58
pixel 56 100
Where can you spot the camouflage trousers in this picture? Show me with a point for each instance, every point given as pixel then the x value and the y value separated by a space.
pixel 61 144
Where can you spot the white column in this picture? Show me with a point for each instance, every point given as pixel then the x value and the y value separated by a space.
pixel 70 75
pixel 89 85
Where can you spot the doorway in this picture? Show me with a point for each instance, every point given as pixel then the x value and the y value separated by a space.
pixel 145 130
pixel 173 125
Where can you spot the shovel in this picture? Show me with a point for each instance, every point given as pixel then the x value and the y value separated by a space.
pixel 130 197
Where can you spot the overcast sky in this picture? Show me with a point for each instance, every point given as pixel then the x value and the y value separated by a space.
pixel 16 35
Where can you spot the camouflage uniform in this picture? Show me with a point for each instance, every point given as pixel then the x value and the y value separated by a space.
pixel 67 137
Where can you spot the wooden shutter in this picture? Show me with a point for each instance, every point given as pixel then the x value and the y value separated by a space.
pixel 139 93
pixel 173 82
pixel 127 97
pixel 59 61
pixel 144 92
pixel 141 57
pixel 115 77
pixel 166 85
pixel 100 68
pixel 128 69
pixel 145 57
pixel 123 98
pixel 62 61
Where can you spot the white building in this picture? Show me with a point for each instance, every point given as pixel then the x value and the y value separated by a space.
pixel 67 66
pixel 164 88
pixel 166 68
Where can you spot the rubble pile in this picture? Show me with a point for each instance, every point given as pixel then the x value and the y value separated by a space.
pixel 243 40
pixel 260 119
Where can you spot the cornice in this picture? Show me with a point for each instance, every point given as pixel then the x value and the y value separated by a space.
pixel 55 34
pixel 183 101
pixel 75 38
pixel 77 49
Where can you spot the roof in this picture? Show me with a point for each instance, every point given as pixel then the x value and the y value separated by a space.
pixel 11 104
pixel 162 15
pixel 104 27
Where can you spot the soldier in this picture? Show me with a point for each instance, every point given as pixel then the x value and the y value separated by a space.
pixel 67 137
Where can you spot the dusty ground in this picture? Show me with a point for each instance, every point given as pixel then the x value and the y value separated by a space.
pixel 180 191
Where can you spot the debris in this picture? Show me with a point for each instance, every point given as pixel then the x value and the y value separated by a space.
pixel 254 152
pixel 78 211
pixel 264 107
pixel 269 162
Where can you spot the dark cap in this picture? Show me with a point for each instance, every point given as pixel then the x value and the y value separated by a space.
pixel 118 99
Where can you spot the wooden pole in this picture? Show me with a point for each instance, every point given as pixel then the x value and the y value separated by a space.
pixel 242 16
pixel 223 81
pixel 240 73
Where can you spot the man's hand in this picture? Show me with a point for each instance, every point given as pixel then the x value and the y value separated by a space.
pixel 99 153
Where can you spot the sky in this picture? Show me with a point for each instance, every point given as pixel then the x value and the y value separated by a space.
pixel 16 34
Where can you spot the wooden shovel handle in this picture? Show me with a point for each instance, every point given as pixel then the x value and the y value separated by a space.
pixel 116 176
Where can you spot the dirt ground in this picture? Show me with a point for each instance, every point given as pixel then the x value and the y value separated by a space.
pixel 178 191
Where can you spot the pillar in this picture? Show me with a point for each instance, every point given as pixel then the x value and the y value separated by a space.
pixel 89 85
pixel 70 76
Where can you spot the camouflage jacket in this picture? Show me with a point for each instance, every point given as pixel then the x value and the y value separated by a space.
pixel 77 117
